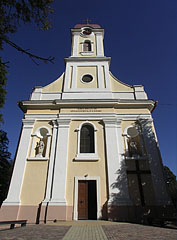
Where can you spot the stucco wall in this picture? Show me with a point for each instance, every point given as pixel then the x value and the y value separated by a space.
pixel 34 183
pixel 82 70
pixel 55 86
pixel 78 168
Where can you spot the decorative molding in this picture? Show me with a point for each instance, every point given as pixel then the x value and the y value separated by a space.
pixel 89 59
pixel 90 157
pixel 54 123
pixel 37 159
pixel 112 122
pixel 84 53
pixel 63 123
pixel 31 116
pixel 28 123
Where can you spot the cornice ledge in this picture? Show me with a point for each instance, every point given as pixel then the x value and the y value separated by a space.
pixel 24 105
pixel 87 59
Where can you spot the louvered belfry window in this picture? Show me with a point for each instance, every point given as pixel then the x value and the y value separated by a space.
pixel 87 139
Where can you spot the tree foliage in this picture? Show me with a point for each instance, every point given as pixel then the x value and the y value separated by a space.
pixel 5 165
pixel 13 13
pixel 3 80
pixel 171 182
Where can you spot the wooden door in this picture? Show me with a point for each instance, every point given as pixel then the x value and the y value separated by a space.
pixel 83 200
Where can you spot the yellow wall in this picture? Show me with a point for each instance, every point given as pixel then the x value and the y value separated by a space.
pixel 117 85
pixel 131 110
pixel 42 111
pixel 77 168
pixel 55 86
pixel 87 70
pixel 86 109
pixel 34 182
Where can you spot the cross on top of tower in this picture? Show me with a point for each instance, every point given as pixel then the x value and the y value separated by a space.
pixel 87 21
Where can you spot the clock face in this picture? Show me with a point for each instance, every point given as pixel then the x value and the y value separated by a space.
pixel 87 31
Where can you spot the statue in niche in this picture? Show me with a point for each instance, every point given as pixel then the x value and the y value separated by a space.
pixel 133 148
pixel 40 148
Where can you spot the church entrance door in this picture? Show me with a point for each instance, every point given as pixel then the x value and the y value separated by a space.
pixel 87 200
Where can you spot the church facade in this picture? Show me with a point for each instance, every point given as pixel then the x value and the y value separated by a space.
pixel 88 147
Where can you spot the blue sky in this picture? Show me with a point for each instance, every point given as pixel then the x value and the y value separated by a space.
pixel 140 37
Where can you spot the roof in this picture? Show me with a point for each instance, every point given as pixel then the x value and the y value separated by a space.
pixel 87 25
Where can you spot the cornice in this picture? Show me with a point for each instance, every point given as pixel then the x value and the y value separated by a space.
pixel 95 30
pixel 87 59
pixel 112 103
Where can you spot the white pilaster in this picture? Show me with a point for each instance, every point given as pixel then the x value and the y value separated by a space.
pixel 13 197
pixel 73 79
pixel 117 177
pixel 66 78
pixel 59 181
pixel 99 45
pixel 75 45
pixel 51 164
pixel 100 77
pixel 32 145
pixel 107 80
pixel 48 145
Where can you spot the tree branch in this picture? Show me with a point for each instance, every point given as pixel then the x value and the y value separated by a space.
pixel 31 55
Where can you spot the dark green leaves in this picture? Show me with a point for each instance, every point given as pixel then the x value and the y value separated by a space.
pixel 13 13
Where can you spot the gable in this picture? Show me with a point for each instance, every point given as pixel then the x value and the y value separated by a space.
pixel 55 86
pixel 118 86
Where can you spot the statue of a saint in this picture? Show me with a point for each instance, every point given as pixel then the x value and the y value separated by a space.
pixel 133 148
pixel 40 148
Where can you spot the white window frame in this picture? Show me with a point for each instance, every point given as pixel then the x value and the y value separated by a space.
pixel 87 74
pixel 85 53
pixel 98 192
pixel 86 156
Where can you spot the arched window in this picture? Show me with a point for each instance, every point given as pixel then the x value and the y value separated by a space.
pixel 87 46
pixel 87 139
pixel 87 142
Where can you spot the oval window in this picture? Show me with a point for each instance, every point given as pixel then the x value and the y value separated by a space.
pixel 87 78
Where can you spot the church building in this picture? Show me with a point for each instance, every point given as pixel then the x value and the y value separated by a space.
pixel 88 147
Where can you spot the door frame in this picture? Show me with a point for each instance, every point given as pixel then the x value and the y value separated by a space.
pixel 76 182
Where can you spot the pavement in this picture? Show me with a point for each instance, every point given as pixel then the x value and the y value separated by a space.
pixel 87 230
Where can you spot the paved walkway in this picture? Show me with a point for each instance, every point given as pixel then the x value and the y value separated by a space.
pixel 87 230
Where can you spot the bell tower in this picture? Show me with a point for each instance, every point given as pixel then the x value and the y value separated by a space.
pixel 87 40
pixel 87 69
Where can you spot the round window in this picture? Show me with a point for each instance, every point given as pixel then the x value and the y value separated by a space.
pixel 87 31
pixel 87 78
